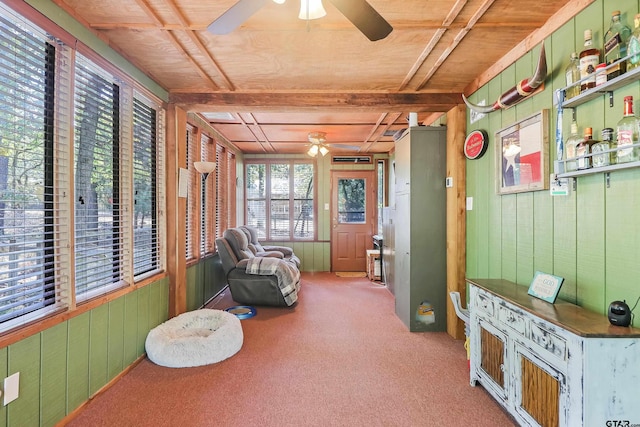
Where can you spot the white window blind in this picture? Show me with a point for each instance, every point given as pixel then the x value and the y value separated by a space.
pixel 280 199
pixel 191 194
pixel 34 181
pixel 207 198
pixel 146 245
pixel 222 191
pixel 98 228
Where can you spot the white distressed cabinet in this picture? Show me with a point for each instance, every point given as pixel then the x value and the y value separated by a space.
pixel 552 364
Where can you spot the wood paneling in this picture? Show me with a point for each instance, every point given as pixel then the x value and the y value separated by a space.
pixel 540 394
pixel 53 391
pixel 492 357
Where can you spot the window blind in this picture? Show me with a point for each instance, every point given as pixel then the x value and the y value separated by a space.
pixel 146 251
pixel 190 213
pixel 33 173
pixel 98 231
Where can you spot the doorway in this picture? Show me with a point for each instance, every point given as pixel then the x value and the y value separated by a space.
pixel 353 218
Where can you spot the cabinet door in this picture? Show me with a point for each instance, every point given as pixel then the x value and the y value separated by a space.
pixel 492 365
pixel 539 389
pixel 403 164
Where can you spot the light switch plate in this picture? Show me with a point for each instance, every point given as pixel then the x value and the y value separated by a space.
pixel 469 203
pixel 448 182
pixel 11 388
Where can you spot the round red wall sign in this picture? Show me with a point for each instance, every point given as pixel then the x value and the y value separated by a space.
pixel 476 144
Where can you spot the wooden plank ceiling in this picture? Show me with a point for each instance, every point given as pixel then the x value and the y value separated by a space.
pixel 274 79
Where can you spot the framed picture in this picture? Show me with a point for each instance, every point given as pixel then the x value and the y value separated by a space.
pixel 522 155
pixel 545 286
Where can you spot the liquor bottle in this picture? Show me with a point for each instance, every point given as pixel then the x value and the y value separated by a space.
pixel 571 147
pixel 627 134
pixel 589 60
pixel 584 149
pixel 572 74
pixel 615 46
pixel 634 45
pixel 604 159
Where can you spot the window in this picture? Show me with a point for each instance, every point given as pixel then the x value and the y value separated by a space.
pixel 93 159
pixel 32 237
pixel 146 164
pixel 207 198
pixel 191 195
pixel 280 199
pixel 97 186
pixel 222 191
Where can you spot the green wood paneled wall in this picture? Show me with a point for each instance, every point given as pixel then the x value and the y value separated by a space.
pixel 589 237
pixel 63 366
pixel 204 280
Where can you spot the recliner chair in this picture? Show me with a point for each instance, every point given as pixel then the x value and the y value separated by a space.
pixel 267 250
pixel 253 280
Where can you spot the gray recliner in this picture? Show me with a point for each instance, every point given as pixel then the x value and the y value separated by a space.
pixel 268 250
pixel 252 280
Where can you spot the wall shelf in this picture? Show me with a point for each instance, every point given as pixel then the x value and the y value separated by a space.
pixel 605 88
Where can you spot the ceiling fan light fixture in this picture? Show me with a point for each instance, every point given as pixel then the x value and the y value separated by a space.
pixel 313 150
pixel 323 150
pixel 317 137
pixel 311 9
pixel 279 1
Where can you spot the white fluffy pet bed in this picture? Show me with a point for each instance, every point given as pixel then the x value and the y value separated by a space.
pixel 196 338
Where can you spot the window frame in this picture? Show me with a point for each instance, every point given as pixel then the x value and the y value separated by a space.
pixel 268 199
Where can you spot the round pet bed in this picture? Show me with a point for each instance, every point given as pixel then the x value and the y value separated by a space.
pixel 196 338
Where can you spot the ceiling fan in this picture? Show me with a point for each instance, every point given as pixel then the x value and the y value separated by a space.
pixel 359 12
pixel 318 144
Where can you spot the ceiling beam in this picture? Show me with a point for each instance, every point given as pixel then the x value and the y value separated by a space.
pixel 310 101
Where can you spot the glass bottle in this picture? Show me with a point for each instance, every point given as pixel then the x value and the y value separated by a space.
pixel 615 46
pixel 589 60
pixel 604 159
pixel 634 45
pixel 571 146
pixel 584 149
pixel 627 134
pixel 572 73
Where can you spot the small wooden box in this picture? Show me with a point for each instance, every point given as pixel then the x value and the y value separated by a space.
pixel 373 265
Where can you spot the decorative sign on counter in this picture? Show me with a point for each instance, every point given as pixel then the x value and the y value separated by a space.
pixel 545 286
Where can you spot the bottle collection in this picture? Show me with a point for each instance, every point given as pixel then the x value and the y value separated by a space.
pixel 620 54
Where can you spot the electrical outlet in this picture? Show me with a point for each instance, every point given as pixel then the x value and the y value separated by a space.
pixel 11 388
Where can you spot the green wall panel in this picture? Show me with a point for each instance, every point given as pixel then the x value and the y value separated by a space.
pixel 588 237
pixel 98 348
pixel 524 238
pixel 194 286
pixel 543 232
pixel 509 237
pixel 3 374
pixel 25 357
pixel 78 344
pixel 116 338
pixel 590 223
pixel 144 322
pixel 53 391
pixel 130 338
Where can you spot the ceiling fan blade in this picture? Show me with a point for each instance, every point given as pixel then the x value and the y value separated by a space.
pixel 364 17
pixel 235 16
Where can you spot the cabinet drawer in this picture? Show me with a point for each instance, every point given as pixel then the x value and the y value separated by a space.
pixel 549 341
pixel 512 319
pixel 484 303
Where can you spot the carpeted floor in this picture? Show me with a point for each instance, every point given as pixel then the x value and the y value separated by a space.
pixel 340 357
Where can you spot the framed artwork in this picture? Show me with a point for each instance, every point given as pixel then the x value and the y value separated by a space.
pixel 545 286
pixel 522 155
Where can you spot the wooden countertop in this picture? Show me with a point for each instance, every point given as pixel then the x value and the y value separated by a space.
pixel 571 317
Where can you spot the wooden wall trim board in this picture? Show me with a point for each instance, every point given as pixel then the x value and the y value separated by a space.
pixel 176 210
pixel 456 215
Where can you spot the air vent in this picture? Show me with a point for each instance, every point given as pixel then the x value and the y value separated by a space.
pixel 351 159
